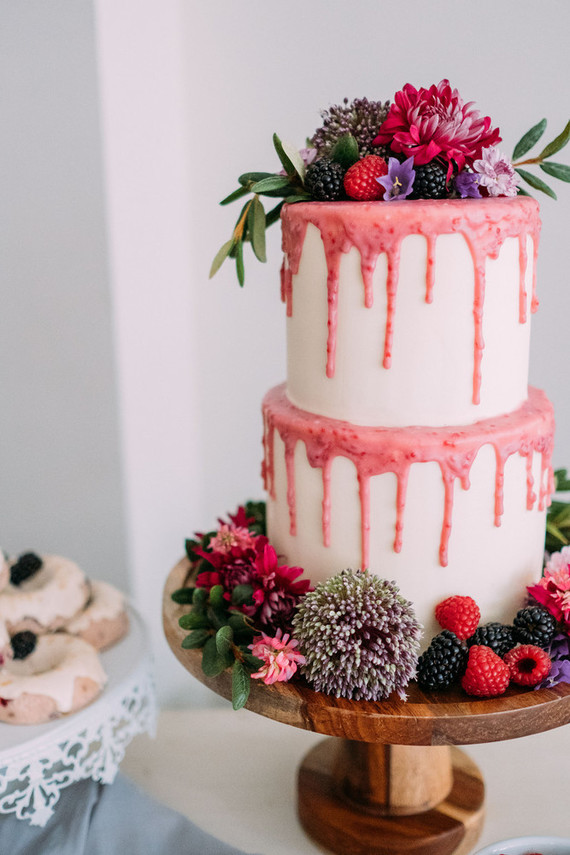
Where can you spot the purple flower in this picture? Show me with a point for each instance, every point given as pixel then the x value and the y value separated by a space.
pixel 496 173
pixel 466 184
pixel 399 181
pixel 559 652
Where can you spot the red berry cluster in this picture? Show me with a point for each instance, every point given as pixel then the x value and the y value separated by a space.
pixel 487 673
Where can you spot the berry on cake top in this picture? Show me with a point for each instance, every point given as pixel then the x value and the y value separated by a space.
pixel 428 143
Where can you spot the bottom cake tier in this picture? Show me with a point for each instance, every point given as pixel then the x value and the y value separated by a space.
pixel 441 511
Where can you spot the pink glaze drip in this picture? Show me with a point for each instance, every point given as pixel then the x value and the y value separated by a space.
pixel 375 228
pixel 376 450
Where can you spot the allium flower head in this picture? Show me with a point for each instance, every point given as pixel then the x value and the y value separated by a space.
pixel 279 656
pixel 436 122
pixel 360 637
pixel 361 118
pixel 496 173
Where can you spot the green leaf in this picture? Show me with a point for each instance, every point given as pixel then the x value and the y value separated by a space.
pixel 529 139
pixel 273 215
pixel 557 170
pixel 238 622
pixel 237 194
pixel 221 256
pixel 239 263
pixel 193 621
pixel 200 598
pixel 217 617
pixel 536 182
pixel 224 639
pixel 197 638
pixel 250 178
pixel 559 142
pixel 252 661
pixel 256 226
pixel 345 151
pixel 242 595
pixel 561 480
pixel 240 685
pixel 302 197
pixel 216 596
pixel 521 192
pixel 556 533
pixel 213 663
pixel 274 182
pixel 290 158
pixel 183 596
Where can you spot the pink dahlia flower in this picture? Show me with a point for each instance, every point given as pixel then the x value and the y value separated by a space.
pixel 558 561
pixel 435 122
pixel 279 657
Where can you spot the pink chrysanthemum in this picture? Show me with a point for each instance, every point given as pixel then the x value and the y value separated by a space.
pixel 553 592
pixel 496 173
pixel 435 122
pixel 279 657
pixel 276 593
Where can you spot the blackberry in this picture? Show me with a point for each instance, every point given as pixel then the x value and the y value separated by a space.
pixel 430 181
pixel 535 625
pixel 26 565
pixel 499 637
pixel 23 643
pixel 443 663
pixel 324 180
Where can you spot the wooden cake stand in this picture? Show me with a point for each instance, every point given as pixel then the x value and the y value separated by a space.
pixel 391 782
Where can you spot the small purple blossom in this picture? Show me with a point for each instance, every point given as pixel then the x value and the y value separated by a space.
pixel 559 652
pixel 467 185
pixel 399 181
pixel 496 173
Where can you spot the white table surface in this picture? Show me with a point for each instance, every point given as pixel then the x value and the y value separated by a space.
pixel 234 774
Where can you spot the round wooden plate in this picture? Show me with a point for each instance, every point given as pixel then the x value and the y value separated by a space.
pixel 442 718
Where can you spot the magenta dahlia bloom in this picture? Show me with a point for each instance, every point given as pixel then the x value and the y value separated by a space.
pixel 436 122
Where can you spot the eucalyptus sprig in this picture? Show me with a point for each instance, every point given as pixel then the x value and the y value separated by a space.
pixel 253 220
pixel 556 170
pixel 558 515
pixel 223 633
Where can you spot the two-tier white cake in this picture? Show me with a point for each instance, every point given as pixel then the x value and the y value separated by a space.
pixel 406 439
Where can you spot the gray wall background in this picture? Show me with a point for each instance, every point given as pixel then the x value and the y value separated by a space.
pixel 60 473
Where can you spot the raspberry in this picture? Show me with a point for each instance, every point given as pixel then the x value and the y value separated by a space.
pixel 528 664
pixel 486 675
pixel 360 180
pixel 459 614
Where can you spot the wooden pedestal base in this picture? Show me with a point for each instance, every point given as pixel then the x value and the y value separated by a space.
pixel 371 799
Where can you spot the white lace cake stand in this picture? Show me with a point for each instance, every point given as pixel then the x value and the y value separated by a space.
pixel 38 762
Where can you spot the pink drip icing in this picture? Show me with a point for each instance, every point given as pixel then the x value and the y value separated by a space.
pixel 376 450
pixel 327 502
pixel 530 493
pixel 375 228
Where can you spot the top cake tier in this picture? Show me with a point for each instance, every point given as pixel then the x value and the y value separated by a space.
pixel 409 312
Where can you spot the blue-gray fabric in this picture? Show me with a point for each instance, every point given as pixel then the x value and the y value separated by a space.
pixel 109 819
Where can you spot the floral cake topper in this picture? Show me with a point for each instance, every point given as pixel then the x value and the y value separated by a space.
pixel 425 144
